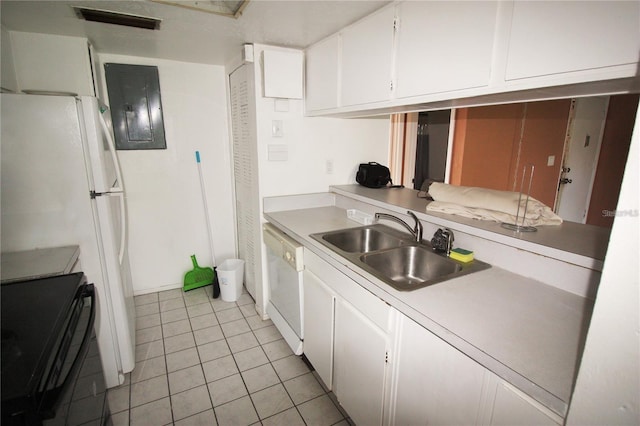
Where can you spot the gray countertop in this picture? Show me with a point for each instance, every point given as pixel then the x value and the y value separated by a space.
pixel 529 333
pixel 577 243
pixel 38 263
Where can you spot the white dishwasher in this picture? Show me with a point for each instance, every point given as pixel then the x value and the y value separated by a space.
pixel 285 265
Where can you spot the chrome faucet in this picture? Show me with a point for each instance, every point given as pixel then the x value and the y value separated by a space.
pixel 416 231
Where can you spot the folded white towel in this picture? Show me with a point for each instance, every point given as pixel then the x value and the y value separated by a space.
pixel 489 204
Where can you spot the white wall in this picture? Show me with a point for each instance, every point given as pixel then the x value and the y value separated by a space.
pixel 608 386
pixel 310 142
pixel 165 206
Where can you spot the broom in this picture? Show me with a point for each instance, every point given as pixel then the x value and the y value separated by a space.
pixel 205 273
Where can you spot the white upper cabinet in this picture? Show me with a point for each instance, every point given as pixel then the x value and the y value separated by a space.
pixel 443 46
pixel 53 63
pixel 412 53
pixel 367 52
pixel 551 37
pixel 321 80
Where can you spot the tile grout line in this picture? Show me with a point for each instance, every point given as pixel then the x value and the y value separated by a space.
pixel 238 367
pixel 189 318
pixel 192 331
pixel 213 408
pixel 233 353
pixel 200 359
pixel 166 367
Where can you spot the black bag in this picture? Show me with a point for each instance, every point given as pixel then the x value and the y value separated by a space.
pixel 373 175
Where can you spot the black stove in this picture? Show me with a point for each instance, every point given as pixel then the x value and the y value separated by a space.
pixel 47 332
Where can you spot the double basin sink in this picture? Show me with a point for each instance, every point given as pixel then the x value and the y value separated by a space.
pixel 395 257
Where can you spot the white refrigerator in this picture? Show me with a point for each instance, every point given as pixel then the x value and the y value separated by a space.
pixel 61 185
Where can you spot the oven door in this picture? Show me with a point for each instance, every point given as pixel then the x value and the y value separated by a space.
pixel 48 330
pixel 75 391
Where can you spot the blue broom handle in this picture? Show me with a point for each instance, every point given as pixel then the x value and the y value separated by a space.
pixel 206 208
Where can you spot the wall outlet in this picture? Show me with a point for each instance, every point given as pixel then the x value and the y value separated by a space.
pixel 551 160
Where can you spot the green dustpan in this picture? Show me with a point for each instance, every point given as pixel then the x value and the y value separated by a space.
pixel 197 277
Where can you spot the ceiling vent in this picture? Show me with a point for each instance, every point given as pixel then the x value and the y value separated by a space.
pixel 228 8
pixel 117 18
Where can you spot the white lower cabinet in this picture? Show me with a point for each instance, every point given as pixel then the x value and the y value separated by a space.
pixel 511 407
pixel 347 339
pixel 359 374
pixel 433 382
pixel 318 326
pixel 386 369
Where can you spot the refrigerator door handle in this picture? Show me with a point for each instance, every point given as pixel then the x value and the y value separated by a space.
pixel 114 157
pixel 123 226
pixel 123 218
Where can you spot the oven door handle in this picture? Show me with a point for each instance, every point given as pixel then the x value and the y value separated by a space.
pixel 53 396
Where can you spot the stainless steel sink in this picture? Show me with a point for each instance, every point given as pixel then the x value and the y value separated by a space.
pixel 411 266
pixel 362 240
pixel 394 257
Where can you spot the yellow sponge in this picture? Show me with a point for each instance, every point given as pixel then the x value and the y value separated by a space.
pixel 461 255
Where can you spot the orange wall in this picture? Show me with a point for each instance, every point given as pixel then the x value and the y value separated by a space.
pixel 488 153
pixel 544 134
pixel 483 145
pixel 457 151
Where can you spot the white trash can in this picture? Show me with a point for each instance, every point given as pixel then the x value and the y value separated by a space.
pixel 230 276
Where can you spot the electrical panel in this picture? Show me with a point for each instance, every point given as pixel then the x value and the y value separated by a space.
pixel 136 107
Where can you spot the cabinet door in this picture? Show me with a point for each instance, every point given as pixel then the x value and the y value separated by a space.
pixel 444 46
pixel 367 51
pixel 318 326
pixel 360 365
pixel 321 77
pixel 52 63
pixel 435 383
pixel 558 37
pixel 513 408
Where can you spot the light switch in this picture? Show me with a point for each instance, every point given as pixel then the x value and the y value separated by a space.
pixel 276 129
pixel 551 160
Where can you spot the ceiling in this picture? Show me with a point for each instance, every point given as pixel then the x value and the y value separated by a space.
pixel 186 34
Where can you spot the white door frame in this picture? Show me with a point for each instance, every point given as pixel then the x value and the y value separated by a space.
pixel 566 160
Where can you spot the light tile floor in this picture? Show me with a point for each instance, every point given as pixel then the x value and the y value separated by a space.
pixel 202 361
